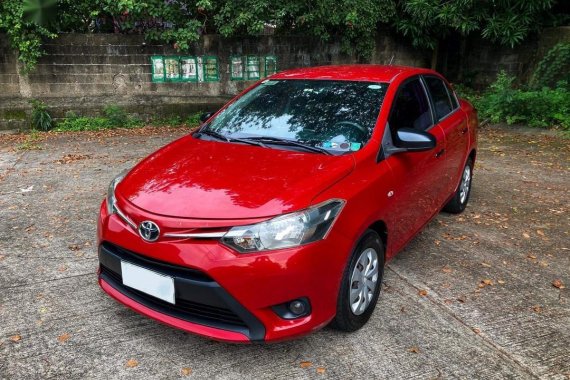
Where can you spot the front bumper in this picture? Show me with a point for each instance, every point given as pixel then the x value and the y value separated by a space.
pixel 199 299
pixel 222 294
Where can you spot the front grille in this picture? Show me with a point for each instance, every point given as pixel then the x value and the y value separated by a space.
pixel 210 312
pixel 185 309
pixel 159 266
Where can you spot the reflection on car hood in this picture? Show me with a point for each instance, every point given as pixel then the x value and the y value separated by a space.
pixel 193 178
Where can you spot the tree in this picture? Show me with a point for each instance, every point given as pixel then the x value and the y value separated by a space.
pixel 353 22
pixel 25 35
pixel 507 22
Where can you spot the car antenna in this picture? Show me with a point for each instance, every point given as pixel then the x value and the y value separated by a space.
pixel 391 60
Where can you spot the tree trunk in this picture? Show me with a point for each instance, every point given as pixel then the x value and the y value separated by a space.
pixel 443 57
pixel 434 55
pixel 462 49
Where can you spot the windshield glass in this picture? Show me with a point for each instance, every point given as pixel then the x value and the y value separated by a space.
pixel 334 115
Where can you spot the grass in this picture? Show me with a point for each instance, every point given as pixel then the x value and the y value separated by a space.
pixel 84 123
pixel 74 123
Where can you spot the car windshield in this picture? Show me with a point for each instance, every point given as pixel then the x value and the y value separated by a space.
pixel 338 116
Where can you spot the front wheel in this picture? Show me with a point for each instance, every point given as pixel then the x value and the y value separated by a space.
pixel 360 284
pixel 459 201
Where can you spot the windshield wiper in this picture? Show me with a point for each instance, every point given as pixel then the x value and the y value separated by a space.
pixel 279 141
pixel 219 136
pixel 209 132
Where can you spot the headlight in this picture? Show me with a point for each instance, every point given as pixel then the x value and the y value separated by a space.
pixel 286 231
pixel 111 191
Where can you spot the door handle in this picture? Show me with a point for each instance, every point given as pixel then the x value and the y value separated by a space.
pixel 440 153
pixel 464 130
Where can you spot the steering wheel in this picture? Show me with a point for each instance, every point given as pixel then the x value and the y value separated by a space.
pixel 352 124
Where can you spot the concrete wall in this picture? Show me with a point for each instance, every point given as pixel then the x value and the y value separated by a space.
pixel 484 60
pixel 85 72
pixel 12 114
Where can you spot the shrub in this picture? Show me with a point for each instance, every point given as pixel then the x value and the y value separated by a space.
pixel 117 116
pixel 546 107
pixel 194 119
pixel 41 119
pixel 465 92
pixel 71 115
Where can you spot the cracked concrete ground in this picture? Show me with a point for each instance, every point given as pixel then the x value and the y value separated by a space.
pixel 491 309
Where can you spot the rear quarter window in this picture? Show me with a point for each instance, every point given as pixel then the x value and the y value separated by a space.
pixel 453 97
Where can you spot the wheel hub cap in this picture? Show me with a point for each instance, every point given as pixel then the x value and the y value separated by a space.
pixel 363 281
pixel 465 183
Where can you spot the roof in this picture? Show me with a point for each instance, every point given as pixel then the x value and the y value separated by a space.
pixel 373 73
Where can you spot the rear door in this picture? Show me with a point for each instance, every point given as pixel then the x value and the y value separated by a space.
pixel 453 122
pixel 417 175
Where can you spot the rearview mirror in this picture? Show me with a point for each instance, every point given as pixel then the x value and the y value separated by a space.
pixel 205 116
pixel 412 140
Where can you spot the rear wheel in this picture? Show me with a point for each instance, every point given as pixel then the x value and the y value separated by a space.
pixel 459 201
pixel 360 284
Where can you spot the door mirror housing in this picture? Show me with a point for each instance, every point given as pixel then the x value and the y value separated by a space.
pixel 205 116
pixel 405 140
pixel 412 140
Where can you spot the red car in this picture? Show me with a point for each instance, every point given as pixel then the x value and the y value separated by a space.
pixel 276 217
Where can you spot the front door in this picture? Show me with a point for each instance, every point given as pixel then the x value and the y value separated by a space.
pixel 417 175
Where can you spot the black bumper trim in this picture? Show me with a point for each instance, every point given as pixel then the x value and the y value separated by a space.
pixel 199 299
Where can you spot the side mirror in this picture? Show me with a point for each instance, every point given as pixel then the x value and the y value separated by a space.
pixel 205 116
pixel 412 140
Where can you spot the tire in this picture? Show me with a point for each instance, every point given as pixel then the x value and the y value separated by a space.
pixel 346 319
pixel 459 201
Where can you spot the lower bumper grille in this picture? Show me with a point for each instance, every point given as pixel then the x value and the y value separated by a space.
pixel 199 299
pixel 190 309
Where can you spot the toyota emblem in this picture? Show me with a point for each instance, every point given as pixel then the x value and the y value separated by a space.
pixel 149 231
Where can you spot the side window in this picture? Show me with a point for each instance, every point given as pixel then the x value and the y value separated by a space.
pixel 440 97
pixel 411 108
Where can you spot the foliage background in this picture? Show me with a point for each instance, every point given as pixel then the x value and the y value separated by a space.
pixel 354 22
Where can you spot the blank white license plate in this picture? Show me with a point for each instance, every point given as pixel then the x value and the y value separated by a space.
pixel 147 281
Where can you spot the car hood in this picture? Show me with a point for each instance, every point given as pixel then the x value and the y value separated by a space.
pixel 193 178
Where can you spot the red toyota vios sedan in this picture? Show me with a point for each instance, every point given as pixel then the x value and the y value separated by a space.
pixel 276 217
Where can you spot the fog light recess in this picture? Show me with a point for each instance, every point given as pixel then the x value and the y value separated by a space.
pixel 293 309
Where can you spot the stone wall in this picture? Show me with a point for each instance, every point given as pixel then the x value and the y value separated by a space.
pixel 12 114
pixel 85 72
pixel 483 60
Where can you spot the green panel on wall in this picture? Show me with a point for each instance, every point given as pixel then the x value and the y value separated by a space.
pixel 210 68
pixel 252 67
pixel 157 64
pixel 236 67
pixel 188 69
pixel 172 69
pixel 270 65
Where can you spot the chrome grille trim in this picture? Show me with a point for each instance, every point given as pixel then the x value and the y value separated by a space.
pixel 125 218
pixel 197 235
